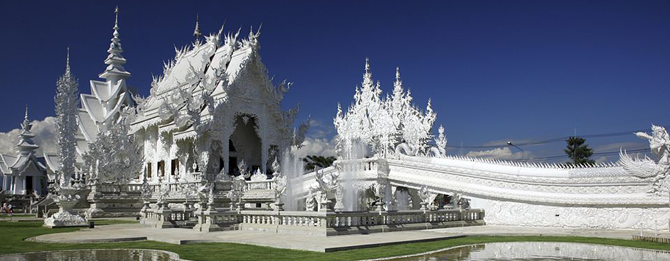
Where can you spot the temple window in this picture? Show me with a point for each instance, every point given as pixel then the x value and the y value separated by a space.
pixel 161 168
pixel 149 170
pixel 174 167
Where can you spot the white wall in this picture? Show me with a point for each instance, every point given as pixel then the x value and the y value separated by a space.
pixel 525 214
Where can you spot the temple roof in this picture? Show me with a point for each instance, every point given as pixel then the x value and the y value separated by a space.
pixel 182 73
pixel 53 161
pixel 5 162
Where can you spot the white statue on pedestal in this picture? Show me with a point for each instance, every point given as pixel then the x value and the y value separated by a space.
pixel 66 111
pixel 279 188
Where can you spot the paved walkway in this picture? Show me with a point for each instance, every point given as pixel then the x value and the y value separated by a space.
pixel 130 232
pixel 133 232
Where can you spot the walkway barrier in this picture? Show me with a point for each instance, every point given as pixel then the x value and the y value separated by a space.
pixel 360 222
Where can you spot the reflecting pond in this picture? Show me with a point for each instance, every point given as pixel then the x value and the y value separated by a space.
pixel 535 251
pixel 94 254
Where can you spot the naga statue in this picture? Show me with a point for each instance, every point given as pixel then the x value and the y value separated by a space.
pixel 646 168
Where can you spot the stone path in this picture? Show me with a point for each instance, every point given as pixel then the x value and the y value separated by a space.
pixel 130 232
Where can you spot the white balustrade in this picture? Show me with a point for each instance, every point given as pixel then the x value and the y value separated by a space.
pixel 349 219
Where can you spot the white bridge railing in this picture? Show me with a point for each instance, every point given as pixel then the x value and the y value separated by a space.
pixel 321 222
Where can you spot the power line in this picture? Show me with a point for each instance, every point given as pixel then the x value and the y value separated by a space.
pixel 552 140
pixel 608 153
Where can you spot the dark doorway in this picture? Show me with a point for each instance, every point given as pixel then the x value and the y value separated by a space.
pixel 29 185
pixel 232 162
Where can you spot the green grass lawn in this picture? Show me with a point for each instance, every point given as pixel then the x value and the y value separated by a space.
pixel 12 235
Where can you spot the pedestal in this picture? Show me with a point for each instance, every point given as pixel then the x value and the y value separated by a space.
pixel 144 213
pixel 163 213
pixel 206 221
pixel 65 218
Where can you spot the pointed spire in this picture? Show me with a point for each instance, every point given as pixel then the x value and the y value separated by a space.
pixel 196 32
pixel 115 60
pixel 25 117
pixel 116 18
pixel 67 62
pixel 397 74
pixel 26 144
pixel 367 64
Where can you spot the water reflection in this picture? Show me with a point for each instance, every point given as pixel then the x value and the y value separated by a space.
pixel 94 254
pixel 535 251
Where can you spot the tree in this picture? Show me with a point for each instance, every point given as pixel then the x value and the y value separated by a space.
pixel 579 152
pixel 67 99
pixel 311 162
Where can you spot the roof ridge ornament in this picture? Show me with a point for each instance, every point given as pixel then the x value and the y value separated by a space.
pixel 397 74
pixel 196 32
pixel 116 18
pixel 25 117
pixel 367 65
pixel 67 61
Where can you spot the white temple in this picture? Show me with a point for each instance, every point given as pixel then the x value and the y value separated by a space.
pixel 24 173
pixel 210 149
pixel 102 107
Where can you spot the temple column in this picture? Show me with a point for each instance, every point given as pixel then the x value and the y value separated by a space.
pixel 265 144
pixel 225 154
pixel 264 154
pixel 227 130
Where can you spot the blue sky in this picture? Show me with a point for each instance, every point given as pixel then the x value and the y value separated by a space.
pixel 495 70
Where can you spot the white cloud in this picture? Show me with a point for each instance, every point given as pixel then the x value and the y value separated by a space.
pixel 319 130
pixel 45 137
pixel 619 145
pixel 500 153
pixel 602 159
pixel 319 147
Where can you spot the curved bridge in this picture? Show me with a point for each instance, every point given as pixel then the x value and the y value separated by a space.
pixel 603 196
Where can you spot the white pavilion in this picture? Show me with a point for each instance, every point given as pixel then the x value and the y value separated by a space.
pixel 23 173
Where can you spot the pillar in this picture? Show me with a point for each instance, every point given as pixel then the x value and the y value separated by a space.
pixel 225 153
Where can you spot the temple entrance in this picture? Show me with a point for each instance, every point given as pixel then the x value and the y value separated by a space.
pixel 29 185
pixel 245 144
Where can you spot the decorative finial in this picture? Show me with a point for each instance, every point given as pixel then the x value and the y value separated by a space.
pixel 116 19
pixel 25 118
pixel 397 73
pixel 196 32
pixel 367 64
pixel 67 61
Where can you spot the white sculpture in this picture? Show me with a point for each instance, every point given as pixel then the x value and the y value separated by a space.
pixel 426 197
pixel 67 100
pixel 659 142
pixel 236 192
pixel 279 189
pixel 440 148
pixel 383 123
pixel 258 176
pixel 66 109
pixel 310 201
pixel 115 157
pixel 162 197
pixel 328 184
